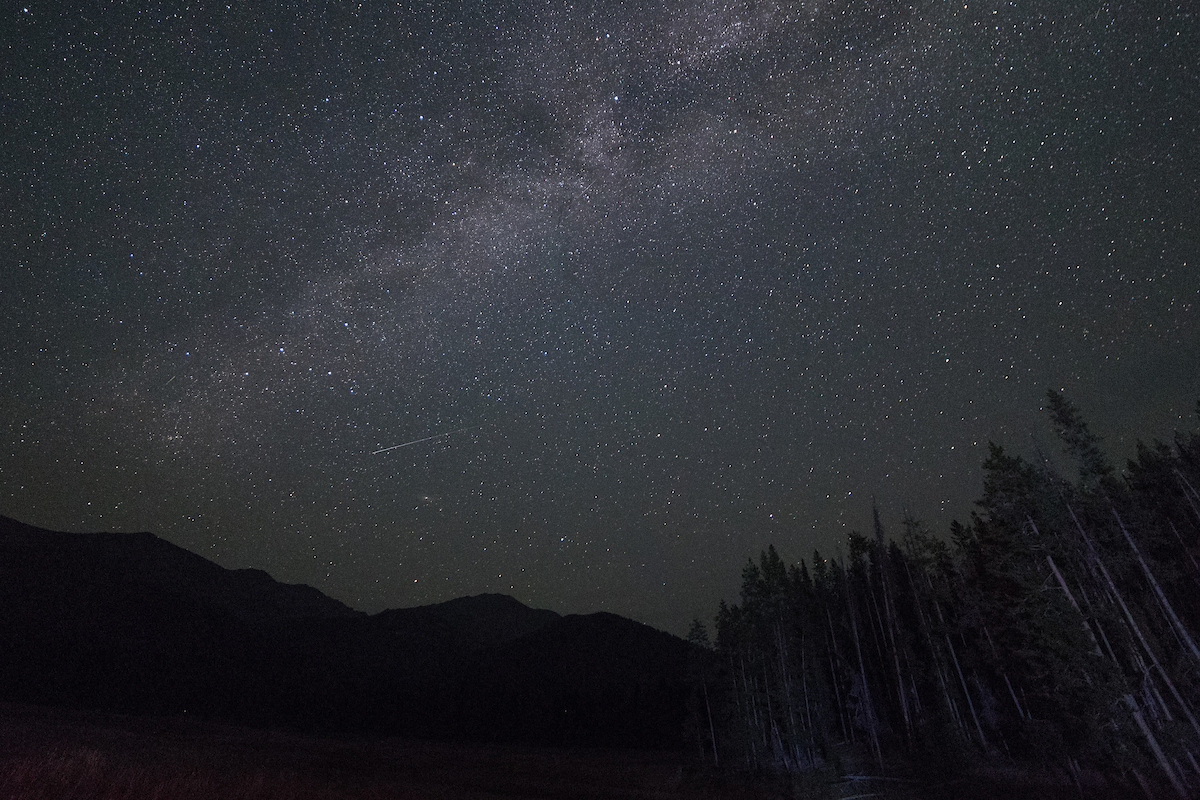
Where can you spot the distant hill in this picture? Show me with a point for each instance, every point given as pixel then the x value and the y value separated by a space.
pixel 34 559
pixel 590 679
pixel 133 623
pixel 481 621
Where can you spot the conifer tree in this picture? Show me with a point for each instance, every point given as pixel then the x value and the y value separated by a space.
pixel 1059 626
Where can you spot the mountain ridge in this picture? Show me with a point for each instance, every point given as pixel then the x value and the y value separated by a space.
pixel 144 558
pixel 133 623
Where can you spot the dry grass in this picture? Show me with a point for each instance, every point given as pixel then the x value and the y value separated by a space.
pixel 48 754
pixel 53 754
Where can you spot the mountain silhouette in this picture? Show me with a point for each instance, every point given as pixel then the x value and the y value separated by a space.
pixel 480 621
pixel 132 623
pixel 35 559
pixel 584 679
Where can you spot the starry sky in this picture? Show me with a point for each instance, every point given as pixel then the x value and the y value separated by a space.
pixel 657 282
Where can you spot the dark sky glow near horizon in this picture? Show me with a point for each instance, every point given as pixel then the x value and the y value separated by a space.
pixel 657 283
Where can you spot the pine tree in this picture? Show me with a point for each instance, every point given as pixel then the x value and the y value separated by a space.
pixel 1059 625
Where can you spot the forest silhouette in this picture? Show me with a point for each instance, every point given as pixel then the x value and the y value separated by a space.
pixel 1055 631
pixel 1047 645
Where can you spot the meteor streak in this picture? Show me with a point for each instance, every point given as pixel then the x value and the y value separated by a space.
pixel 418 441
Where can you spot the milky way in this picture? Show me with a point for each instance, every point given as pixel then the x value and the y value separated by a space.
pixel 682 278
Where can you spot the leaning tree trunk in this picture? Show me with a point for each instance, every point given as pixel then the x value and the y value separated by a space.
pixel 1162 598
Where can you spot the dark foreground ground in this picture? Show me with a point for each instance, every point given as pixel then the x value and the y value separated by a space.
pixel 52 754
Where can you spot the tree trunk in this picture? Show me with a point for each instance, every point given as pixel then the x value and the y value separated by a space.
pixel 1112 587
pixel 1162 598
pixel 1062 582
pixel 1154 746
pixel 871 717
pixel 970 702
pixel 1188 553
pixel 712 731
pixel 833 676
pixel 1190 493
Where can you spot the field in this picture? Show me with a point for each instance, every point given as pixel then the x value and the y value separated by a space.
pixel 53 754
pixel 56 754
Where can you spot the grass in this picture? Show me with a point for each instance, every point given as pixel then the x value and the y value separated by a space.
pixel 55 754
pixel 51 754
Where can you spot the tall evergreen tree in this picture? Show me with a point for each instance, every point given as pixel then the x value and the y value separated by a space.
pixel 1058 627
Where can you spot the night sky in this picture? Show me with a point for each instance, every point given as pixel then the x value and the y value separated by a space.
pixel 657 283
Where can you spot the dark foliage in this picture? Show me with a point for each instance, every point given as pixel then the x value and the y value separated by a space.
pixel 1056 631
